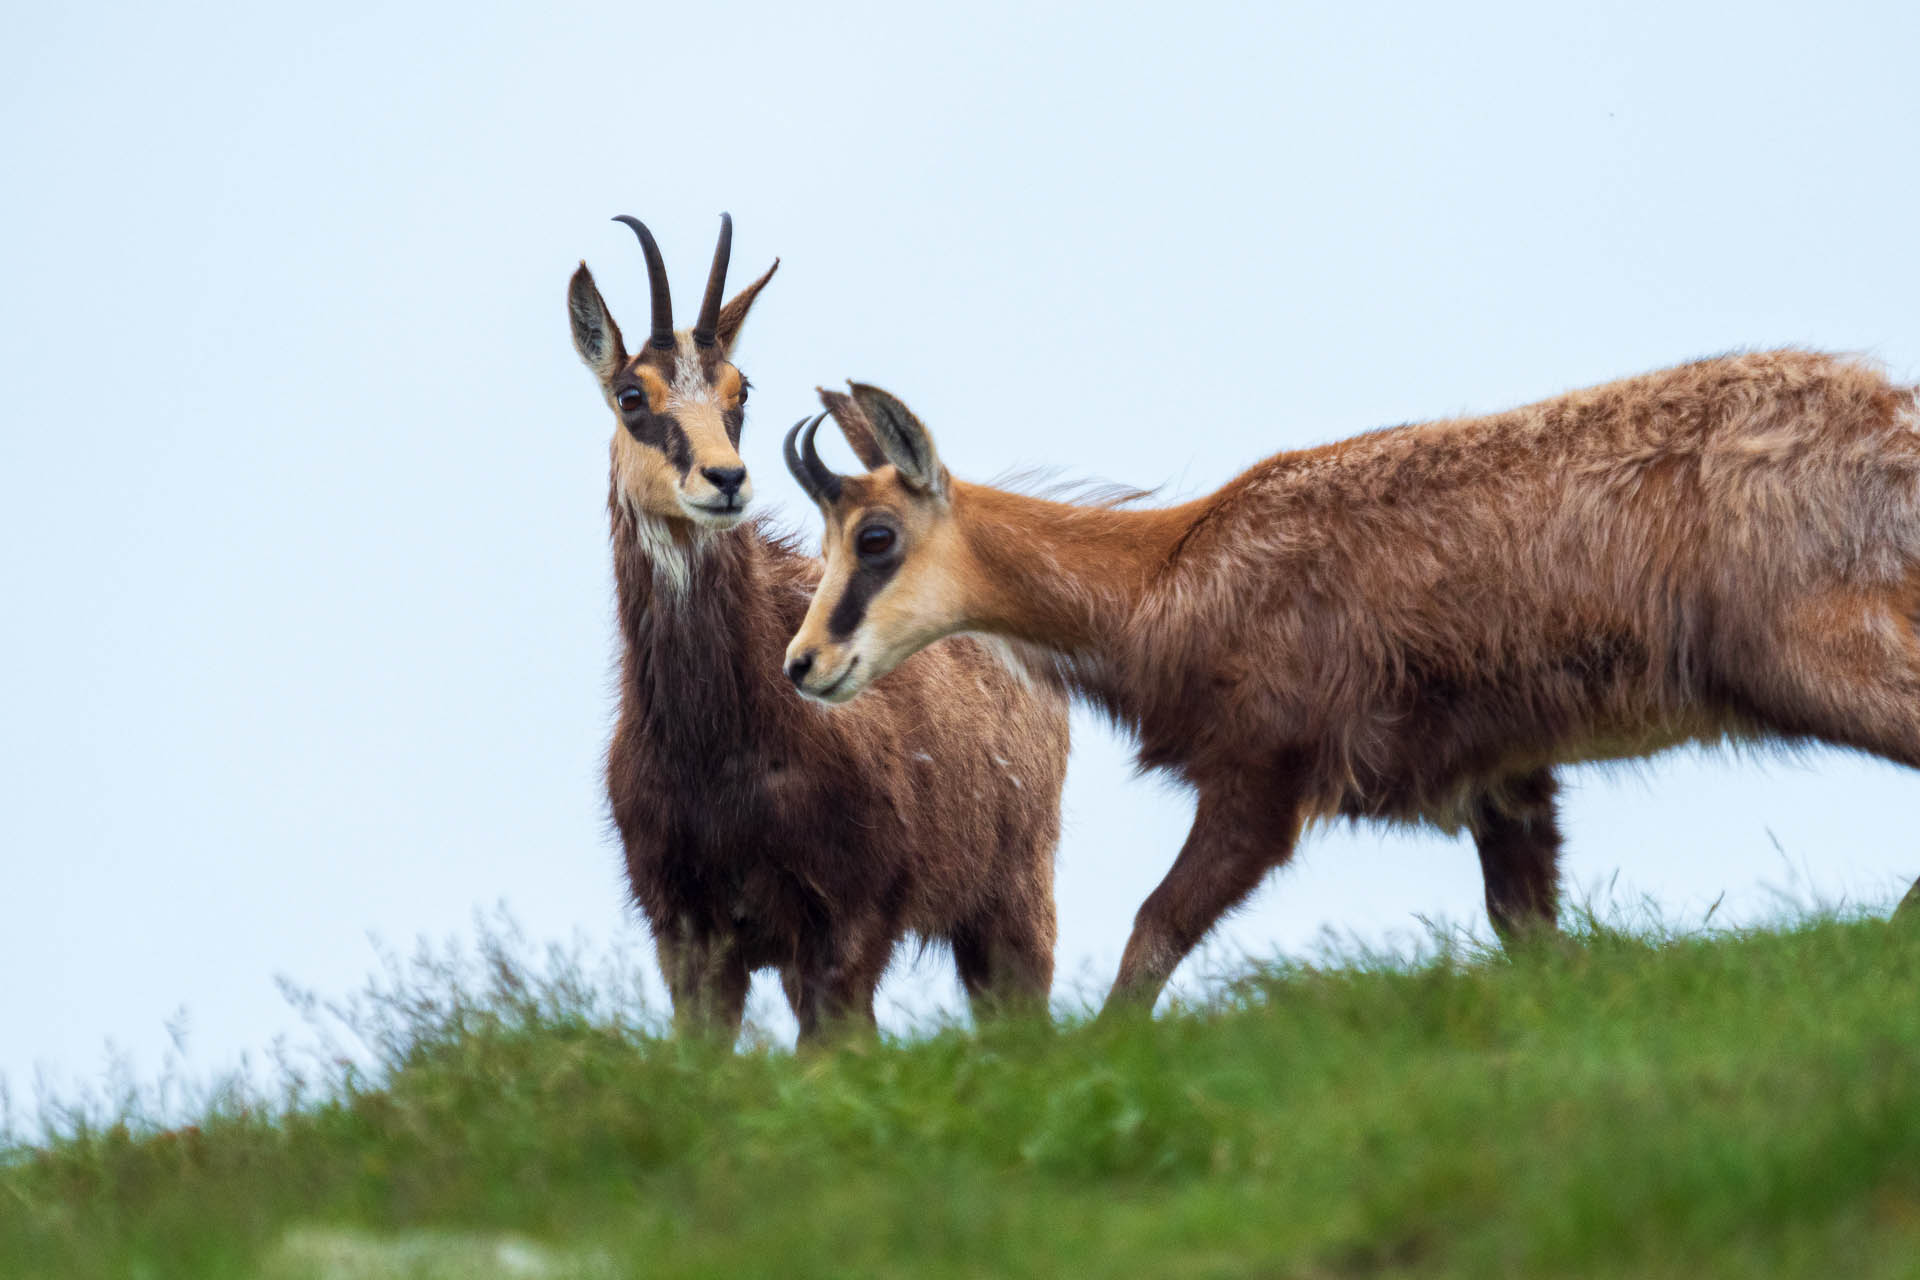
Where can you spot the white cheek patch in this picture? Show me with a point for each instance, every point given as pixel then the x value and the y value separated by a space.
pixel 671 558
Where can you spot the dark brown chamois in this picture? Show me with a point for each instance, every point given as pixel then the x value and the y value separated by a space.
pixel 762 831
pixel 1420 624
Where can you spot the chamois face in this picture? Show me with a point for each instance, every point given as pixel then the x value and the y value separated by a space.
pixel 679 403
pixel 894 558
pixel 676 442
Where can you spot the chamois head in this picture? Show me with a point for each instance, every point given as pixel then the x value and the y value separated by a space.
pixel 679 401
pixel 890 546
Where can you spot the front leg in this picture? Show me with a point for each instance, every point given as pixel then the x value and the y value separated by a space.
pixel 707 977
pixel 1518 836
pixel 1240 832
pixel 833 984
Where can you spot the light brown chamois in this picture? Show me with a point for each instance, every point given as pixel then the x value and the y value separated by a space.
pixel 1419 624
pixel 761 831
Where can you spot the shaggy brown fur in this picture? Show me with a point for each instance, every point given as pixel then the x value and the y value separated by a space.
pixel 1421 623
pixel 760 830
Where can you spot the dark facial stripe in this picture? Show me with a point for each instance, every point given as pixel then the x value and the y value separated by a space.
pixel 863 584
pixel 679 448
pixel 661 431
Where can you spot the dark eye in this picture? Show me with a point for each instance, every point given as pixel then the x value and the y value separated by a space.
pixel 745 387
pixel 632 399
pixel 874 540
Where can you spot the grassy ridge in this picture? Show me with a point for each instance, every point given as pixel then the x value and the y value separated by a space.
pixel 1737 1105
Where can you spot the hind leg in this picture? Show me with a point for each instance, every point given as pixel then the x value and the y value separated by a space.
pixel 1518 835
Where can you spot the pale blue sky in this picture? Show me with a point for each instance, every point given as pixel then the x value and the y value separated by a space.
pixel 306 602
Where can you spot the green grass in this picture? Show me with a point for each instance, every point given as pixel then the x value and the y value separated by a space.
pixel 1626 1105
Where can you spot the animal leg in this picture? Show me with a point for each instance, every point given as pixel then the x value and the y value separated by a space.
pixel 1518 835
pixel 836 985
pixel 1846 670
pixel 1237 837
pixel 973 959
pixel 708 981
pixel 1005 959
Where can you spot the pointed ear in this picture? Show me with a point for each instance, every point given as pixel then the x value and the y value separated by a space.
pixel 595 336
pixel 854 426
pixel 734 314
pixel 902 438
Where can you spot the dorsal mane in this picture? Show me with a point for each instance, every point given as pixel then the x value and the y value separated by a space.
pixel 1050 485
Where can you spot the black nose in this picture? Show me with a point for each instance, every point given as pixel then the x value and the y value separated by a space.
pixel 726 479
pixel 798 668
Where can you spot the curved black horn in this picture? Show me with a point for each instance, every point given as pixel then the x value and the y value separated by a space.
pixel 657 278
pixel 795 467
pixel 820 483
pixel 708 325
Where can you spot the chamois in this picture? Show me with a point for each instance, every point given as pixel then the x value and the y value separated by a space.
pixel 1420 623
pixel 760 830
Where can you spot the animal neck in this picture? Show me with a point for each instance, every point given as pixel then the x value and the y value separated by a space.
pixel 691 606
pixel 1068 579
